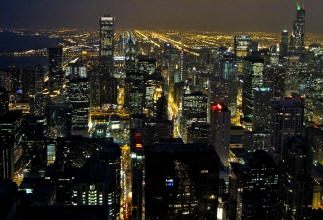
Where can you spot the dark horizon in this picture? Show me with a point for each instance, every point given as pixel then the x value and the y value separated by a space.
pixel 207 15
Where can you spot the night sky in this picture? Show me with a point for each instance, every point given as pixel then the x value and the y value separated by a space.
pixel 223 15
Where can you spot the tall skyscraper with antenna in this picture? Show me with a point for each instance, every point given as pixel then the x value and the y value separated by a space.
pixel 108 83
pixel 106 44
pixel 298 33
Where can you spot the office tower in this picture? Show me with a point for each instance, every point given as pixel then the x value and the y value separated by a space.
pixel 296 189
pixel 55 65
pixel 27 81
pixel 259 187
pixel 274 78
pixel 157 130
pixel 108 84
pixel 4 100
pixel 59 120
pixel 161 108
pixel 298 34
pixel 96 185
pixel 33 143
pixel 135 92
pixel 109 91
pixel 182 181
pixel 146 66
pixel 38 99
pixel 252 78
pixel 218 90
pixel 262 113
pixel 315 136
pixel 94 77
pixel 273 56
pixel 220 123
pixel 78 95
pixel 76 70
pixel 194 109
pixel 288 117
pixel 106 46
pixel 10 144
pixel 242 45
pixel 296 69
pixel 130 53
pixel 137 133
pixel 229 70
pixel 198 132
pixel 154 90
pixel 283 47
pixel 257 140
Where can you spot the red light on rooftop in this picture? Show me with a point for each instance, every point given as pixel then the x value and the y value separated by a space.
pixel 218 107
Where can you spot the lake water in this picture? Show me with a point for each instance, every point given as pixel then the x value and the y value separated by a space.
pixel 11 42
pixel 23 61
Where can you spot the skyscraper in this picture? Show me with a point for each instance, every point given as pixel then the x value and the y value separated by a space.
pixel 220 124
pixel 106 45
pixel 260 187
pixel 242 45
pixel 283 48
pixel 59 119
pixel 296 184
pixel 194 109
pixel 130 53
pixel 262 109
pixel 288 116
pixel 253 69
pixel 182 182
pixel 108 84
pixel 4 100
pixel 10 144
pixel 55 65
pixel 298 34
pixel 78 95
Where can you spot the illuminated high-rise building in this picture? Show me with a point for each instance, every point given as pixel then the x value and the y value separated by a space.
pixel 242 45
pixel 78 95
pixel 194 109
pixel 262 114
pixel 106 45
pixel 108 84
pixel 130 53
pixel 220 124
pixel 298 34
pixel 253 69
pixel 135 92
pixel 260 187
pixel 229 71
pixel 10 144
pixel 96 185
pixel 283 48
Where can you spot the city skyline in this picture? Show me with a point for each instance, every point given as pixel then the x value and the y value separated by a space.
pixel 135 124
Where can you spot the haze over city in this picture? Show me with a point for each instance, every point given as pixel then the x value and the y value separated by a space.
pixel 220 15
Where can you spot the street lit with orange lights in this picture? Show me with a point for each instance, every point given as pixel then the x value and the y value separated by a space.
pixel 125 183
